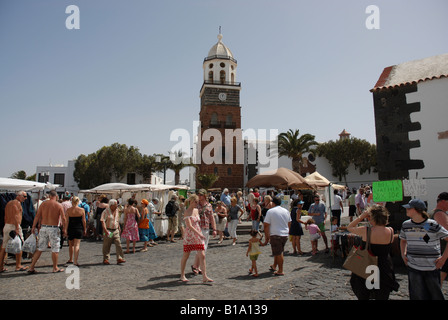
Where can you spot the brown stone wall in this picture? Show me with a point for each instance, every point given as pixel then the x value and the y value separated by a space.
pixel 231 176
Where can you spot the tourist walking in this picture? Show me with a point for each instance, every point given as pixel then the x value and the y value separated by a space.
pixel 318 212
pixel 194 239
pixel 234 219
pixel 420 249
pixel 276 229
pixel 296 231
pixel 111 226
pixel 130 231
pixel 381 239
pixel 13 221
pixel 221 212
pixel 171 210
pixel 440 214
pixel 206 215
pixel 253 251
pixel 101 205
pixel 75 228
pixel 146 230
pixel 48 216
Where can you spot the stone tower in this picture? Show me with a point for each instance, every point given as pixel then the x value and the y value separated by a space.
pixel 220 118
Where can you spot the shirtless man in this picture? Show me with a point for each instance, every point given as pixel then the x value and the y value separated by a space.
pixel 48 216
pixel 13 220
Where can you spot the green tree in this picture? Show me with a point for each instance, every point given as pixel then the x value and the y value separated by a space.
pixel 146 166
pixel 341 153
pixel 112 161
pixel 19 175
pixel 293 145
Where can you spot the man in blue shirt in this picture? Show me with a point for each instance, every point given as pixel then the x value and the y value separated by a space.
pixel 86 207
pixel 225 197
pixel 318 212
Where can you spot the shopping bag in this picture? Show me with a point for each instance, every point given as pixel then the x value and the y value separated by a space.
pixel 30 244
pixel 14 245
pixel 359 259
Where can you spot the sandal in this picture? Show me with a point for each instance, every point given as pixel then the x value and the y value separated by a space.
pixel 195 270
pixel 22 268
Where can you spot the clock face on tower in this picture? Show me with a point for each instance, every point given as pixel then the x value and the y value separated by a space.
pixel 222 96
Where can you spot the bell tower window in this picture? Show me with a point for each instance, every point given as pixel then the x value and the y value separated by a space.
pixel 222 77
pixel 214 119
pixel 210 76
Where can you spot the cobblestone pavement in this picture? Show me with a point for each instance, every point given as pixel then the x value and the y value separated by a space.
pixel 155 274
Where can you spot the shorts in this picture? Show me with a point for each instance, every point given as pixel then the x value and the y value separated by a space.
pixel 50 234
pixel 314 236
pixel 352 210
pixel 321 226
pixel 278 245
pixel 173 224
pixel 253 257
pixel 6 230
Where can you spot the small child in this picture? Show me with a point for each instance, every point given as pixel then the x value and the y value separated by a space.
pixel 334 238
pixel 253 251
pixel 314 234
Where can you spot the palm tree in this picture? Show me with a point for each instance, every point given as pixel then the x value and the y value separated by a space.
pixel 179 162
pixel 207 180
pixel 293 145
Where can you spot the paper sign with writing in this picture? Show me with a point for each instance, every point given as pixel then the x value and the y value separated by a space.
pixel 414 187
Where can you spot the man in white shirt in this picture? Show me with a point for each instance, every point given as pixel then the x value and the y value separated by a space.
pixel 337 207
pixel 276 228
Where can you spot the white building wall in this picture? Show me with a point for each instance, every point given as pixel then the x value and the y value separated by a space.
pixel 354 178
pixel 433 117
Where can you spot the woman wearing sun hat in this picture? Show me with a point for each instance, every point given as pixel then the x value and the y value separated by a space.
pixel 146 230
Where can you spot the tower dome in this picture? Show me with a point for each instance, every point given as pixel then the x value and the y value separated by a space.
pixel 220 51
pixel 219 65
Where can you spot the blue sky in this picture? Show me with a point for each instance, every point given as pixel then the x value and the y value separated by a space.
pixel 132 73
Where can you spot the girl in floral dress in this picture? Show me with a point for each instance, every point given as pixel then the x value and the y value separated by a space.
pixel 130 232
pixel 193 239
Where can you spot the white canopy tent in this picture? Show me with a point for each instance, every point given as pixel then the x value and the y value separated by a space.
pixel 9 184
pixel 124 191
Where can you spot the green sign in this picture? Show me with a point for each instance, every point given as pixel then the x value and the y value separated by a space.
pixel 387 191
pixel 182 192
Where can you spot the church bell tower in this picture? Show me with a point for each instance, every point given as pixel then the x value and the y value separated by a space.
pixel 221 112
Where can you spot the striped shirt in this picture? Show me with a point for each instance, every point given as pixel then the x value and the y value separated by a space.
pixel 423 243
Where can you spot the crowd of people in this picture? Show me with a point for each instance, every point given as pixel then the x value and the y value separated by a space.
pixel 201 215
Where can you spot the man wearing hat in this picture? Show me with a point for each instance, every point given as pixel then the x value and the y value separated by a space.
pixel 420 249
pixel 441 216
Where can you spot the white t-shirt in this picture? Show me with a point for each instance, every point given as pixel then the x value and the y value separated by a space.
pixel 336 205
pixel 278 219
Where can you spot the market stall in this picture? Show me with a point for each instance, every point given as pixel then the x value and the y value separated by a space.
pixel 34 190
pixel 122 192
